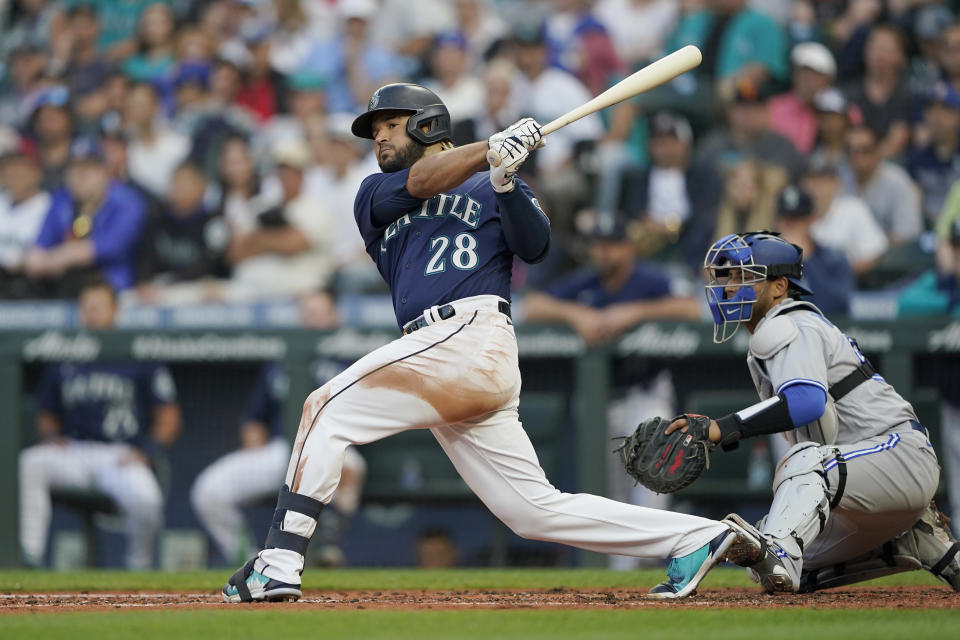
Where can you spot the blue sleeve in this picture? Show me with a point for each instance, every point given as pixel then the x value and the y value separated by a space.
pixel 47 396
pixel 52 232
pixel 525 225
pixel 118 239
pixel 805 402
pixel 381 199
pixel 569 287
pixel 650 282
pixel 267 398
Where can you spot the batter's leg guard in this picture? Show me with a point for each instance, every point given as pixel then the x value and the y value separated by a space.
pixel 248 584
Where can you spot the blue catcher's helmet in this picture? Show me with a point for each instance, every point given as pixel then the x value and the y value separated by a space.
pixel 756 257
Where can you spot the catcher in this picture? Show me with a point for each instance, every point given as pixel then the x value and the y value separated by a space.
pixel 852 496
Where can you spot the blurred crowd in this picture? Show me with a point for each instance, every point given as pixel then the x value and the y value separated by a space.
pixel 197 151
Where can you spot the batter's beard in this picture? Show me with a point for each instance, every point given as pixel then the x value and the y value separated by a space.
pixel 402 158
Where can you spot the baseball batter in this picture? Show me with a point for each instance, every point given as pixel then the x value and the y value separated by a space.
pixel 852 495
pixel 443 233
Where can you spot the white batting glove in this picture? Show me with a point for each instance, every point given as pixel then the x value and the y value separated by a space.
pixel 529 132
pixel 512 153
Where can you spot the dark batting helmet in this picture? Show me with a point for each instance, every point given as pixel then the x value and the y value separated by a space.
pixel 423 105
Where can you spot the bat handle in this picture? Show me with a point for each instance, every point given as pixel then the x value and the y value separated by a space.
pixel 493 158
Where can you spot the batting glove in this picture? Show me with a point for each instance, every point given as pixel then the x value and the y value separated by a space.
pixel 529 132
pixel 512 154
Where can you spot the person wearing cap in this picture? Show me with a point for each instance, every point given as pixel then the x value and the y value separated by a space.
pixel 882 94
pixel 936 165
pixel 52 130
pixel 23 207
pixel 461 91
pixel 747 135
pixel 885 187
pixel 791 113
pixel 154 149
pixel 93 227
pixel 343 162
pixel 183 242
pixel 835 115
pixel 601 302
pixel 843 221
pixel 289 251
pixel 675 199
pixel 825 270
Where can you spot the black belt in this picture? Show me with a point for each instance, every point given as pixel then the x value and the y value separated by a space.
pixel 445 312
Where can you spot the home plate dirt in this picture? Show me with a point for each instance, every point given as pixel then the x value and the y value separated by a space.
pixel 921 597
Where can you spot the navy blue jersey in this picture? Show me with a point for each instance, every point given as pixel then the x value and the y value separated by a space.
pixel 267 398
pixel 110 402
pixel 438 250
pixel 645 283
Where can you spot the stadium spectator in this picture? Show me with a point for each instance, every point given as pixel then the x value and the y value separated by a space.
pixel 306 97
pixel 885 187
pixel 948 249
pixel 260 91
pixel 481 27
pixel 100 426
pixel 616 293
pixel 792 113
pixel 825 270
pixel 461 91
pixel 23 206
pixel 882 94
pixel 51 127
pixel 156 60
pixel 27 23
pixel 638 27
pixel 241 192
pixel 501 105
pixel 936 165
pixel 93 227
pixel 747 135
pixel 405 27
pixel 736 40
pixel 347 162
pixel 930 22
pixel 674 199
pixel 835 115
pixel 182 241
pixel 75 54
pixel 154 150
pixel 293 35
pixel 289 250
pixel 581 44
pixel 23 77
pixel 750 197
pixel 843 221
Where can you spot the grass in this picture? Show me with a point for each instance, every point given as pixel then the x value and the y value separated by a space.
pixel 529 624
pixel 14 581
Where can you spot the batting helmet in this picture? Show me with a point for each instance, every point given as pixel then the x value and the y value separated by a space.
pixel 423 105
pixel 757 256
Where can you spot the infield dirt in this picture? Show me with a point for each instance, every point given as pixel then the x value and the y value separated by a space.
pixel 904 597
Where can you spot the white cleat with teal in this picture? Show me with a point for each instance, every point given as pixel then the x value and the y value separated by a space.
pixel 685 573
pixel 248 585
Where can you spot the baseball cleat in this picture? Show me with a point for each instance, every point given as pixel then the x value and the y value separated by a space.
pixel 762 557
pixel 248 585
pixel 938 549
pixel 686 572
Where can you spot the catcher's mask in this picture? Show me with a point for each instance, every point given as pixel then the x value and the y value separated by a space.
pixel 737 262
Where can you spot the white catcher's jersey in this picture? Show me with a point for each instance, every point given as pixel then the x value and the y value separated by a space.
pixel 794 343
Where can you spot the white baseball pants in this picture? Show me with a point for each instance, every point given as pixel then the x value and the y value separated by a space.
pixel 84 464
pixel 459 378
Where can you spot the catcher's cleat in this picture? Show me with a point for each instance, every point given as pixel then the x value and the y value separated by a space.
pixel 248 585
pixel 762 557
pixel 938 550
pixel 685 573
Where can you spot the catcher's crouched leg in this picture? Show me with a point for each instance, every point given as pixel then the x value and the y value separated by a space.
pixel 797 516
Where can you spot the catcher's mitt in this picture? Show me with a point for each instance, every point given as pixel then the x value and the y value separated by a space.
pixel 667 463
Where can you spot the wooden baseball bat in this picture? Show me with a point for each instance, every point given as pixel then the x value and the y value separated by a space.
pixel 652 75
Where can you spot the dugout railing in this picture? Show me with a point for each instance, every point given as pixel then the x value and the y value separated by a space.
pixel 566 392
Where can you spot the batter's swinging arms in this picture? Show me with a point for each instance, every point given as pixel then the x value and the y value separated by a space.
pixel 852 496
pixel 443 232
